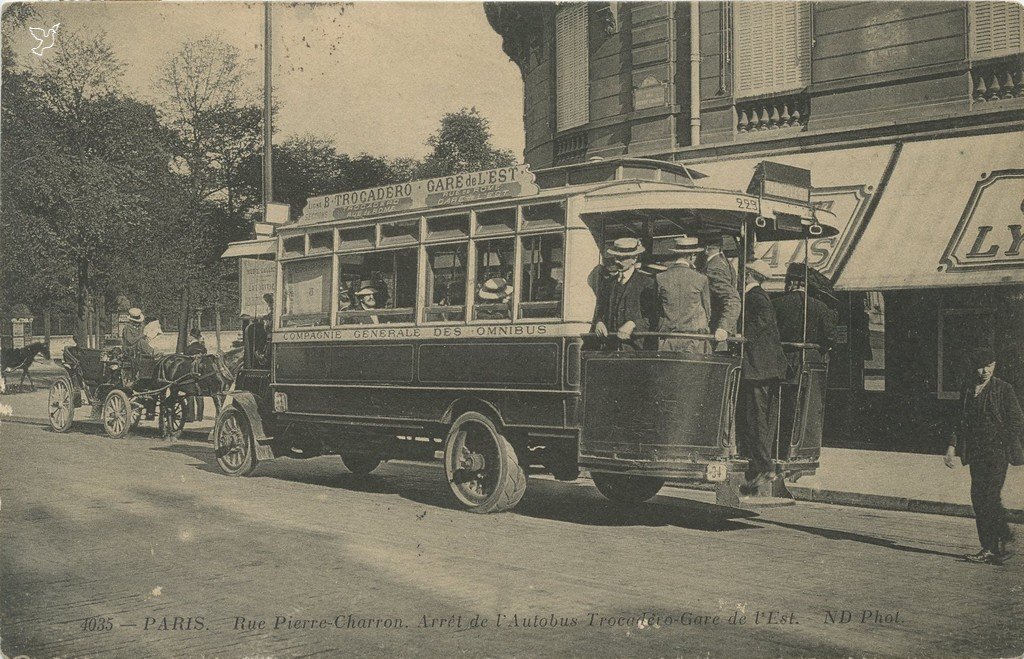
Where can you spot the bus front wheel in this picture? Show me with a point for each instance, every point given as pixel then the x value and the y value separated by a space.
pixel 627 489
pixel 481 466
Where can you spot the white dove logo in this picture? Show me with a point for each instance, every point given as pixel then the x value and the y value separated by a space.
pixel 41 35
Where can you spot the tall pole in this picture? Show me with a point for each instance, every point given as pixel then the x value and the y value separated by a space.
pixel 268 132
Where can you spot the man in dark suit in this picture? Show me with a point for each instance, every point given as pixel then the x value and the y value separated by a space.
pixel 764 366
pixel 628 302
pixel 685 299
pixel 821 330
pixel 987 436
pixel 725 299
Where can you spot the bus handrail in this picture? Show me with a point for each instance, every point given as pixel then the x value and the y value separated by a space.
pixel 678 335
pixel 798 344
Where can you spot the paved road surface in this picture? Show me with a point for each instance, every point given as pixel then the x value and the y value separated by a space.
pixel 135 533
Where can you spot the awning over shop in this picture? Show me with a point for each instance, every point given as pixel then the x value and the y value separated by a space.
pixel 951 215
pixel 843 181
pixel 250 248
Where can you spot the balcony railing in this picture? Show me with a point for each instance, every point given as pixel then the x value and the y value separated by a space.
pixel 772 113
pixel 996 81
pixel 570 148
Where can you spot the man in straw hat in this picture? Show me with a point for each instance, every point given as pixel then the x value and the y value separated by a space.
pixel 685 298
pixel 764 366
pixel 628 299
pixel 366 303
pixel 987 436
pixel 495 296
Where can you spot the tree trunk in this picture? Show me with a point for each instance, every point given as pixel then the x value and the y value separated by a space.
pixel 183 315
pixel 46 325
pixel 216 327
pixel 81 321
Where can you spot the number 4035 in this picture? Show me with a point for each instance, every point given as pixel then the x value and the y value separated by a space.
pixel 98 624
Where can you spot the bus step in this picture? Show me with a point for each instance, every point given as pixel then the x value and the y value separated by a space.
pixel 770 494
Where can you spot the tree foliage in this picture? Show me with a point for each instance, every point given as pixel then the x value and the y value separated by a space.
pixel 463 144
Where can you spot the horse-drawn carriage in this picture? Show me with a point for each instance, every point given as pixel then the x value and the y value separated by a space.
pixel 124 389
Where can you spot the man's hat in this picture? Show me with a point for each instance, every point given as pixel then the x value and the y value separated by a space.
pixel 135 315
pixel 367 288
pixel 982 356
pixel 495 288
pixel 760 269
pixel 625 247
pixel 685 245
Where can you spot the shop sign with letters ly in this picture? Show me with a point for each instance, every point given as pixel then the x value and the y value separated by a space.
pixel 990 234
pixel 500 183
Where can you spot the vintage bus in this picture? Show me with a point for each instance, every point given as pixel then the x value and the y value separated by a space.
pixel 451 318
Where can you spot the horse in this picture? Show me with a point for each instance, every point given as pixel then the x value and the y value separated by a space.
pixel 196 375
pixel 21 358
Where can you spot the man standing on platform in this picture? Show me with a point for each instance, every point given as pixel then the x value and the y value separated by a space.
pixel 725 298
pixel 628 300
pixel 764 366
pixel 685 299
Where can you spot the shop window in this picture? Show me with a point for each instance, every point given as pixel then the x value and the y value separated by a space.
pixel 495 260
pixel 996 29
pixel 772 47
pixel 543 270
pixel 446 283
pixel 873 340
pixel 572 66
pixel 376 288
pixel 307 293
pixel 960 331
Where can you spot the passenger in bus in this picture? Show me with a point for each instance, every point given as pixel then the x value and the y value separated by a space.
pixel 685 298
pixel 494 300
pixel 366 305
pixel 725 298
pixel 764 366
pixel 628 301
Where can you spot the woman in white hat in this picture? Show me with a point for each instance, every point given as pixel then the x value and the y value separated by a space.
pixel 628 300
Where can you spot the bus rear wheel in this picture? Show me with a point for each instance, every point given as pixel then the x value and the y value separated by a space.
pixel 627 489
pixel 481 466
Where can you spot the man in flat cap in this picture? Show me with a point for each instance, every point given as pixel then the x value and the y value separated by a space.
pixel 764 366
pixel 987 435
pixel 628 300
pixel 685 298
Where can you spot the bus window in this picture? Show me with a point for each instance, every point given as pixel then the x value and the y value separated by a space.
pixel 446 283
pixel 543 216
pixel 494 261
pixel 389 279
pixel 307 293
pixel 496 222
pixel 543 276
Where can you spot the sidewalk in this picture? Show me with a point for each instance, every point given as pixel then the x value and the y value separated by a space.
pixel 870 479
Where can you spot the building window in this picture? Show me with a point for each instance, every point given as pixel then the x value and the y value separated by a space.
pixel 997 29
pixel 572 67
pixel 772 47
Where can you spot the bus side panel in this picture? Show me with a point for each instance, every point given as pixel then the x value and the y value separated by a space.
pixel 385 405
pixel 520 363
pixel 350 362
pixel 656 408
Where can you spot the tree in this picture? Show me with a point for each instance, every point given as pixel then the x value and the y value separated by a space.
pixel 463 144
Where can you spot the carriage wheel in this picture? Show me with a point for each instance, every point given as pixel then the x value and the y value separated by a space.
pixel 627 489
pixel 117 414
pixel 61 410
pixel 172 418
pixel 360 463
pixel 481 466
pixel 138 410
pixel 233 443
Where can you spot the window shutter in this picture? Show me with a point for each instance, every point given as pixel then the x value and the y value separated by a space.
pixel 997 29
pixel 572 67
pixel 772 42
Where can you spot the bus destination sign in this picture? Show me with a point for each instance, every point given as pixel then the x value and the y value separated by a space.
pixel 501 183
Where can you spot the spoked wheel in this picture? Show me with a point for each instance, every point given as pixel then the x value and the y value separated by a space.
pixel 138 410
pixel 360 463
pixel 482 468
pixel 172 418
pixel 627 489
pixel 233 443
pixel 117 414
pixel 61 409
